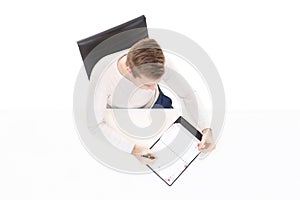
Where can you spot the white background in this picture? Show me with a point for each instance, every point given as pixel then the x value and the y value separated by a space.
pixel 255 46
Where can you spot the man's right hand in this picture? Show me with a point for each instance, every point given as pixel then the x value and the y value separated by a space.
pixel 138 151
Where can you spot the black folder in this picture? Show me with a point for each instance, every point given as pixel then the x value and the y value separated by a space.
pixel 176 149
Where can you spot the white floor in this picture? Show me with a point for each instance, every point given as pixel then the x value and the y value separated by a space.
pixel 256 158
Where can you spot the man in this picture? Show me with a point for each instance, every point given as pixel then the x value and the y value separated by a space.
pixel 132 82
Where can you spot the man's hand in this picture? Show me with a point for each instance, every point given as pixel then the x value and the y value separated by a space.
pixel 143 154
pixel 207 144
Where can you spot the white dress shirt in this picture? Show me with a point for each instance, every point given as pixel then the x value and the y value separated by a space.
pixel 113 90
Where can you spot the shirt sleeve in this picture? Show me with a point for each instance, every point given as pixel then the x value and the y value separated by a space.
pixel 115 138
pixel 190 97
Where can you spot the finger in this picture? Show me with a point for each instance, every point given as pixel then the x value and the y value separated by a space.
pixel 204 148
pixel 201 146
pixel 146 151
pixel 204 138
pixel 209 147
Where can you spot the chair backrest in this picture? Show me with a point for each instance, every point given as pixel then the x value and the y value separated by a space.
pixel 121 37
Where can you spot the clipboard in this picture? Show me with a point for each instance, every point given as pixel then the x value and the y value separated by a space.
pixel 175 150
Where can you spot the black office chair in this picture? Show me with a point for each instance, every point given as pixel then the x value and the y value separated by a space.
pixel 121 37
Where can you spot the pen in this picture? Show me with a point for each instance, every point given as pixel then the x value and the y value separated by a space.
pixel 148 156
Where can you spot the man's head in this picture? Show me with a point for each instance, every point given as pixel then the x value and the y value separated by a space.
pixel 146 62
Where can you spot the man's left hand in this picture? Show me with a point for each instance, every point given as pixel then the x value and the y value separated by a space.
pixel 207 144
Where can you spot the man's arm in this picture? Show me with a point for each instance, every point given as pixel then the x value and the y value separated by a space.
pixel 193 104
pixel 190 97
pixel 116 139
